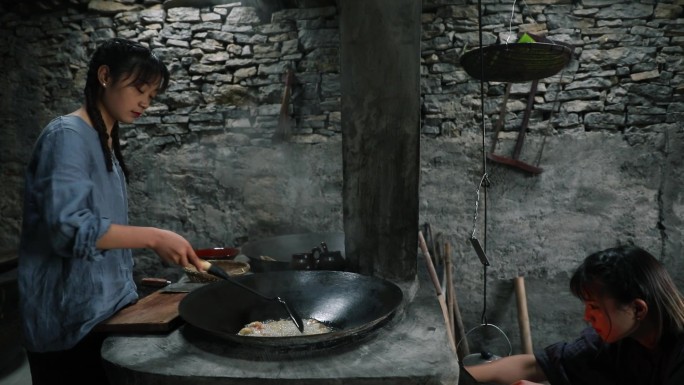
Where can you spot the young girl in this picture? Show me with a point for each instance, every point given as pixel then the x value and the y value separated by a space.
pixel 636 336
pixel 75 263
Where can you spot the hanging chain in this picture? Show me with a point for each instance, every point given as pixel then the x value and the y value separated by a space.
pixel 484 182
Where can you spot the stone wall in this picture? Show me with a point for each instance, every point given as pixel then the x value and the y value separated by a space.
pixel 606 131
pixel 202 159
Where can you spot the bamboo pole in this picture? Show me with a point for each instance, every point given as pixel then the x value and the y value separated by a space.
pixel 523 317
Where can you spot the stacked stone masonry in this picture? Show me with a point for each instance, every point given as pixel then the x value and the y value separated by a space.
pixel 228 63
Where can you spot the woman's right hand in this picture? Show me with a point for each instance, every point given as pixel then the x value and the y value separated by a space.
pixel 168 245
pixel 173 248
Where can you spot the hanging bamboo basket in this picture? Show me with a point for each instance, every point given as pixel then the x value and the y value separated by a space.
pixel 516 62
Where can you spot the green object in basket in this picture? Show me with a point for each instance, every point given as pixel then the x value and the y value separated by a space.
pixel 525 38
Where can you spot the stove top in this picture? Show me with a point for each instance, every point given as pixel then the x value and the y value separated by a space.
pixel 411 348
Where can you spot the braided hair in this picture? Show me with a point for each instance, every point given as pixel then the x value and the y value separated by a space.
pixel 124 59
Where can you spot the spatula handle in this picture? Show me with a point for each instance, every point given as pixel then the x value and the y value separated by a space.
pixel 217 271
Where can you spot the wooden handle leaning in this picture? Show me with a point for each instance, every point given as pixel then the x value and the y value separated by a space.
pixel 438 289
pixel 428 261
pixel 454 311
pixel 449 283
pixel 523 318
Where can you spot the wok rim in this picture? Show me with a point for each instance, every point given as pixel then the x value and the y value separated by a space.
pixel 294 342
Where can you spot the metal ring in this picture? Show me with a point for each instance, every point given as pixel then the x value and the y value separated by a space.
pixel 510 347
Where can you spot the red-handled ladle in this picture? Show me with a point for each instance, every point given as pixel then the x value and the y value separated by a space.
pixel 218 272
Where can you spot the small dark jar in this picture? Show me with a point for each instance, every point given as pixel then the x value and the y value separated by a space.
pixel 302 261
pixel 331 260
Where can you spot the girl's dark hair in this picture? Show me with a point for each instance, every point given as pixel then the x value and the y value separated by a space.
pixel 125 59
pixel 626 273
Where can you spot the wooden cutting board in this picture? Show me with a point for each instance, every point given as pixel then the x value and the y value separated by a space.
pixel 157 312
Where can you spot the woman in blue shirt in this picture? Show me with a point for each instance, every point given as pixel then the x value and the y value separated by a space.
pixel 75 261
pixel 636 314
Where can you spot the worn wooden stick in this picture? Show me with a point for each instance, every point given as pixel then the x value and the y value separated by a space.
pixel 284 129
pixel 523 318
pixel 438 290
pixel 449 284
pixel 502 116
pixel 457 322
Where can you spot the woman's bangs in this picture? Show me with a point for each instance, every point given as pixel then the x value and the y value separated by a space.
pixel 585 287
pixel 151 73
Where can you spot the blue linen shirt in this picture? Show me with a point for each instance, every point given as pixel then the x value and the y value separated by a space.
pixel 66 284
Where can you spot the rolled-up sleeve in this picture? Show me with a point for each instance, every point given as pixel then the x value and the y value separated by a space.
pixel 74 223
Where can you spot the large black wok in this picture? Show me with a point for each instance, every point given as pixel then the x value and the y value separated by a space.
pixel 353 304
pixel 282 247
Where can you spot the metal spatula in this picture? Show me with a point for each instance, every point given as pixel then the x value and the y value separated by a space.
pixel 217 271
